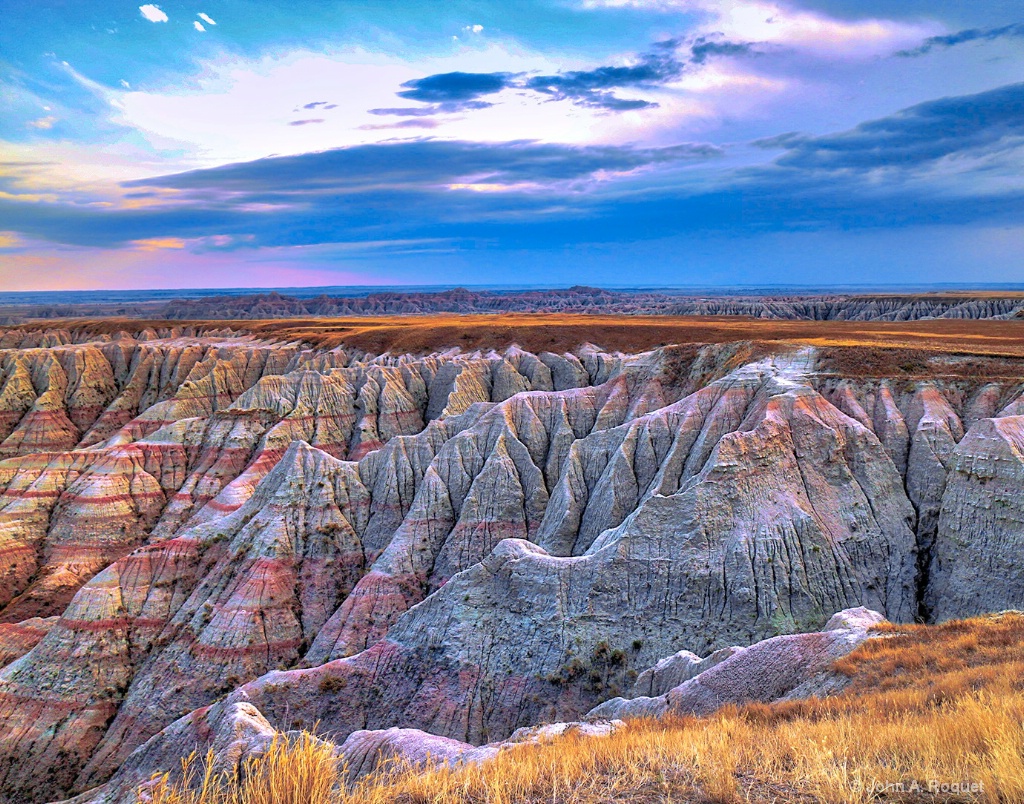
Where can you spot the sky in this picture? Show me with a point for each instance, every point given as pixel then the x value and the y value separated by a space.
pixel 237 143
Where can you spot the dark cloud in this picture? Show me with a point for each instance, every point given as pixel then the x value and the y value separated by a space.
pixel 918 135
pixel 594 87
pixel 455 88
pixel 960 37
pixel 703 48
pixel 319 104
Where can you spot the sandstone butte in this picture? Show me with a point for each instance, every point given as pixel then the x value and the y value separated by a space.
pixel 212 534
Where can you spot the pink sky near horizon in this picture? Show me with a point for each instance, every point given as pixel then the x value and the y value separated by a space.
pixel 69 269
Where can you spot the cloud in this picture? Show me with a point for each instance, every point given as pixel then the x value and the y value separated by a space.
pixel 455 87
pixel 159 243
pixel 448 93
pixel 198 25
pixel 704 47
pixel 427 163
pixel 456 92
pixel 320 104
pixel 306 122
pixel 921 134
pixel 153 13
pixel 354 193
pixel 594 87
pixel 476 29
pixel 433 109
pixel 414 123
pixel 960 37
pixel 42 123
pixel 764 21
pixel 205 18
pixel 928 165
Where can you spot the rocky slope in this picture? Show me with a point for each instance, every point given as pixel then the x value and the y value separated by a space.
pixel 464 544
pixel 775 669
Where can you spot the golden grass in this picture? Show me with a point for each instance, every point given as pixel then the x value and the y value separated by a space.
pixel 290 772
pixel 926 705
pixel 561 332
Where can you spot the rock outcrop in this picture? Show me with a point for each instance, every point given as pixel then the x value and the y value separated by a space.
pixel 784 667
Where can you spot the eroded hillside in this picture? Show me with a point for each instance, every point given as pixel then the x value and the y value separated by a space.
pixel 464 540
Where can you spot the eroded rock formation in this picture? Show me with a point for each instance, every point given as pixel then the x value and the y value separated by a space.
pixel 207 534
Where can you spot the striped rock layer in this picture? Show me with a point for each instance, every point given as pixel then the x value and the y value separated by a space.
pixel 196 524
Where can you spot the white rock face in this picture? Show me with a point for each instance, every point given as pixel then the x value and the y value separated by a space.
pixel 977 564
pixel 858 618
pixel 793 666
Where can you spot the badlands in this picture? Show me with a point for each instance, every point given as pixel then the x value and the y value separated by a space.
pixel 443 535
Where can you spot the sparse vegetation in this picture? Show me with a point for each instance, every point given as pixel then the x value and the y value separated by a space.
pixel 605 672
pixel 332 684
pixel 941 704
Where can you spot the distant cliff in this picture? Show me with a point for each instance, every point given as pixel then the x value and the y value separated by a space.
pixel 845 307
pixel 595 300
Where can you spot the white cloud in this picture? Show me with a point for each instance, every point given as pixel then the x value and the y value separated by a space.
pixel 125 84
pixel 43 123
pixel 206 18
pixel 474 29
pixel 198 26
pixel 153 13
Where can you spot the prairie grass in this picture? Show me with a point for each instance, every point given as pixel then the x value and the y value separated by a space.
pixel 925 704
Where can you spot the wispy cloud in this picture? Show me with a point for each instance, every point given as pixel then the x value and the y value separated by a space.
pixel 198 25
pixel 595 87
pixel 153 13
pixel 206 18
pixel 960 37
pixel 159 243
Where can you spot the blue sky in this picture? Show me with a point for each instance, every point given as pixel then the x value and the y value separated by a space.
pixel 612 142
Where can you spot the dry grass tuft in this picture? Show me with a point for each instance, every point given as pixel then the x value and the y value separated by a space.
pixel 926 705
pixel 303 771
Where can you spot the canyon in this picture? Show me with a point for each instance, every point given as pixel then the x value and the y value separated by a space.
pixel 445 528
